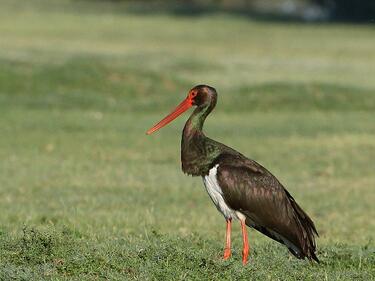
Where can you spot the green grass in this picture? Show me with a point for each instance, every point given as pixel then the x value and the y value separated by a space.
pixel 85 194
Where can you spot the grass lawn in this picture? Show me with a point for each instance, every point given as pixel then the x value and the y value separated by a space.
pixel 86 195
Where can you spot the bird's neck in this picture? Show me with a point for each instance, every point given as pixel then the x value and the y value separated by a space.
pixel 194 157
pixel 194 125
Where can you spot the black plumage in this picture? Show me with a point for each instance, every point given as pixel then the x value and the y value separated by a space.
pixel 269 208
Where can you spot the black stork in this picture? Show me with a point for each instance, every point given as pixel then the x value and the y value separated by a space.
pixel 239 187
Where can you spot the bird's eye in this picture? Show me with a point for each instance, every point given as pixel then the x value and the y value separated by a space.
pixel 193 94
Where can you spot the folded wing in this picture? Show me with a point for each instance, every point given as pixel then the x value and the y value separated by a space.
pixel 252 190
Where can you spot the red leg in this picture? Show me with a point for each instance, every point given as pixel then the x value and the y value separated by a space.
pixel 227 252
pixel 245 251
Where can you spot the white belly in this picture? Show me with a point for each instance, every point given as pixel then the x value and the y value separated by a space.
pixel 216 194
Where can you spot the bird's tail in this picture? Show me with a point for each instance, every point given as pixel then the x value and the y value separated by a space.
pixel 307 231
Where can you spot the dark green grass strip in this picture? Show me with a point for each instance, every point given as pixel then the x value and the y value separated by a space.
pixel 88 83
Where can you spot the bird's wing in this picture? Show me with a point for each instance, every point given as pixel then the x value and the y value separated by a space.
pixel 252 190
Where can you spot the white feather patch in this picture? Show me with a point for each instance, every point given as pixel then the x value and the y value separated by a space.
pixel 216 194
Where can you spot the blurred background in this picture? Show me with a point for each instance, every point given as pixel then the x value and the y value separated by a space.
pixel 85 194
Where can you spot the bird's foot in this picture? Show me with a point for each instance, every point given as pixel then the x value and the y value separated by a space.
pixel 245 255
pixel 227 253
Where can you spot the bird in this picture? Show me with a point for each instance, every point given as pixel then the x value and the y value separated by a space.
pixel 240 188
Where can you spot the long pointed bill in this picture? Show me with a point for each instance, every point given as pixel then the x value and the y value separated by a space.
pixel 181 108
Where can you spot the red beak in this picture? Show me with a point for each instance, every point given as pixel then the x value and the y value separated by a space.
pixel 181 108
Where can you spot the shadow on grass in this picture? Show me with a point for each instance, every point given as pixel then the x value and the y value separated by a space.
pixel 197 9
